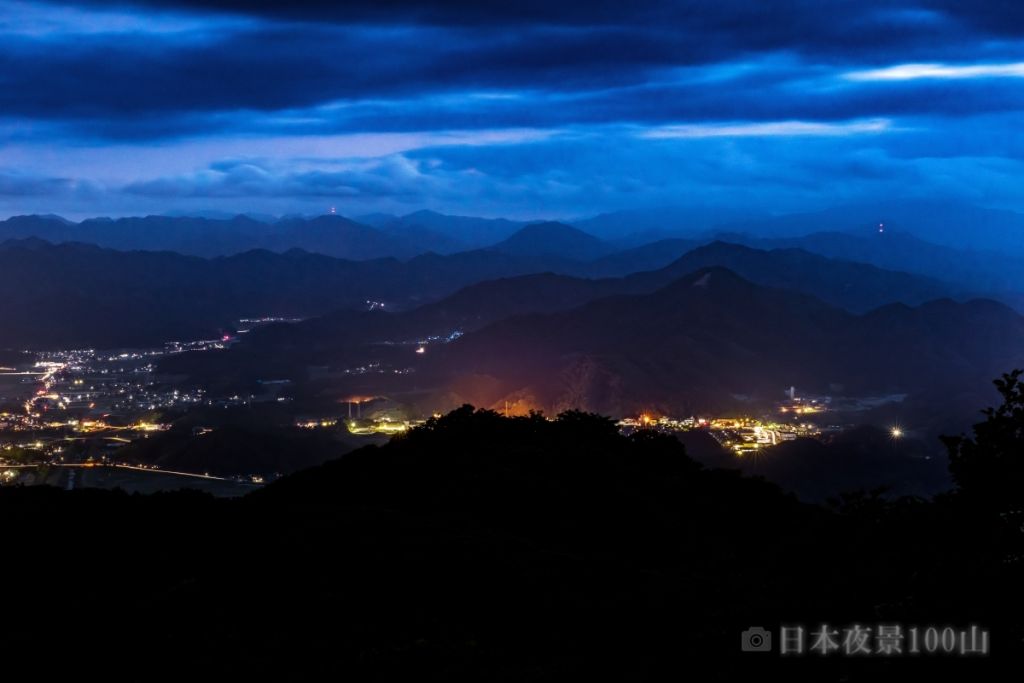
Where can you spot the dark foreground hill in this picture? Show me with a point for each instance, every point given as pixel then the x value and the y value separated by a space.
pixel 482 548
pixel 860 458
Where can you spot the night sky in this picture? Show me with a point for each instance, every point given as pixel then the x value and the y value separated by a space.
pixel 523 108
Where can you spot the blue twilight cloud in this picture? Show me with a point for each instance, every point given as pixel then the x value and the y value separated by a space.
pixel 153 105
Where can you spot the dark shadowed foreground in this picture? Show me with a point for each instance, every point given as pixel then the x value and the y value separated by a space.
pixel 483 548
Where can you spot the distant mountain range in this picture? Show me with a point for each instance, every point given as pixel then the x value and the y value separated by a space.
pixel 73 294
pixel 711 338
pixel 449 233
pixel 199 236
pixel 853 286
pixel 70 294
pixel 939 222
pixel 331 235
pixel 942 222
pixel 998 272
pixel 403 238
pixel 665 338
pixel 635 227
pixel 945 222
pixel 554 240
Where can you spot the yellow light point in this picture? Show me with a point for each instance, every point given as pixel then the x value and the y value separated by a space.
pixel 896 432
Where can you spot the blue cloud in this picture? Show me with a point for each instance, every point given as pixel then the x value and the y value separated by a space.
pixel 630 103
pixel 585 171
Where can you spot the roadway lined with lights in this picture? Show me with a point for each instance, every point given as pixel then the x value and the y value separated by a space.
pixel 93 465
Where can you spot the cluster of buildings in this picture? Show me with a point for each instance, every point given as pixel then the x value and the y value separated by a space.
pixel 82 404
pixel 84 384
pixel 382 425
pixel 740 435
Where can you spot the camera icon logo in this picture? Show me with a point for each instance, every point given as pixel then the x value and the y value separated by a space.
pixel 756 639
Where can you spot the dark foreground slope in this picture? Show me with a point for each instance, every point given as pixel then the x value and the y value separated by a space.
pixel 481 548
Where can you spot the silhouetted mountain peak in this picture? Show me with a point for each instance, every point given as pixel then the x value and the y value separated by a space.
pixel 552 227
pixel 334 220
pixel 424 214
pixel 39 218
pixel 721 246
pixel 555 239
pixel 714 280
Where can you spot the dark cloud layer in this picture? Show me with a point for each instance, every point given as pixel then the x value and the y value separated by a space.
pixel 541 47
pixel 621 77
pixel 786 16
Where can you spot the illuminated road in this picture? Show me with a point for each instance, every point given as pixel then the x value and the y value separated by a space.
pixel 118 439
pixel 124 467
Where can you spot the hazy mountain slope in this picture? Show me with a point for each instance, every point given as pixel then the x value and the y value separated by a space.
pixel 71 294
pixel 554 239
pixel 650 256
pixel 843 283
pixel 636 226
pixel 332 235
pixel 848 285
pixel 981 271
pixel 945 222
pixel 468 231
pixel 713 334
pixel 342 238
